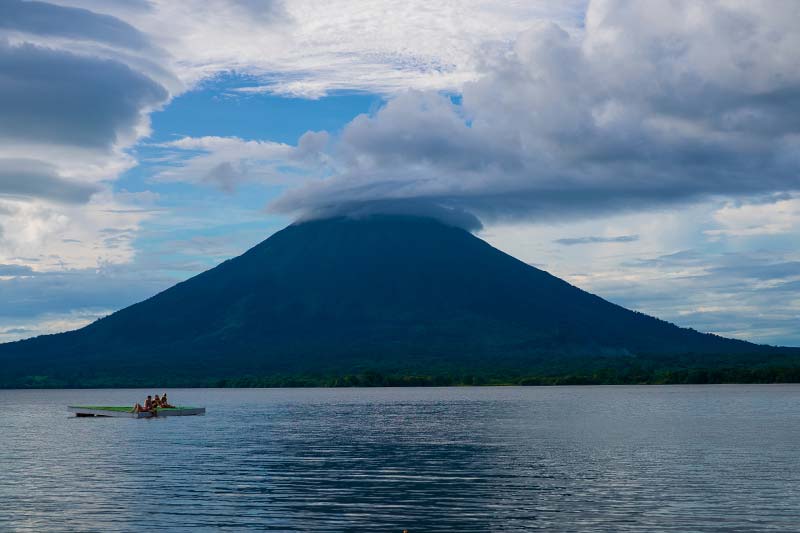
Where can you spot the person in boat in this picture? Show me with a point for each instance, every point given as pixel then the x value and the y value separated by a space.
pixel 146 408
pixel 164 402
pixel 157 401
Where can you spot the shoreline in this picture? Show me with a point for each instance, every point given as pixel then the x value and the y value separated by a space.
pixel 763 376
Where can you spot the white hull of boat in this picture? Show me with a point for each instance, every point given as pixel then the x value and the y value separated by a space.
pixel 85 411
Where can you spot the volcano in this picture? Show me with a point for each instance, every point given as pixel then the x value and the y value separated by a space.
pixel 393 294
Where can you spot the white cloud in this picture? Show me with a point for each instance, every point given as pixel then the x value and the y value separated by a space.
pixel 608 108
pixel 76 92
pixel 227 162
pixel 674 271
pixel 647 106
pixel 87 74
pixel 311 47
pixel 14 329
pixel 48 236
pixel 737 219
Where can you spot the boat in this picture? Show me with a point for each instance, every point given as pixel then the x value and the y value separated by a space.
pixel 125 412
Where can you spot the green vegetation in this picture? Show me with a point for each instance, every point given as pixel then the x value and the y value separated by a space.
pixel 631 375
pixel 602 377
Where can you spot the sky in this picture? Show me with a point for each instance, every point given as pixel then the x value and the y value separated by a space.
pixel 648 152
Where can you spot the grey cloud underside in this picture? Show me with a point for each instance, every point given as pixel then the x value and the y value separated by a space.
pixel 416 208
pixel 55 96
pixel 51 20
pixel 224 176
pixel 25 178
pixel 491 197
pixel 571 241
pixel 636 112
pixel 29 296
pixel 111 7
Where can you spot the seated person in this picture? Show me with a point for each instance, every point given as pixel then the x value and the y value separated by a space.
pixel 157 402
pixel 164 402
pixel 146 408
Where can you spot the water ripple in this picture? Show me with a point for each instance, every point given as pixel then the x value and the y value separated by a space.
pixel 475 459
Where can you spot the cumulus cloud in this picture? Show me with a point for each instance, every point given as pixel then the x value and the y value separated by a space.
pixel 311 146
pixel 55 236
pixel 779 216
pixel 227 162
pixel 592 109
pixel 649 105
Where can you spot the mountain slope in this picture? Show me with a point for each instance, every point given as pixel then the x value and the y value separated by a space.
pixel 334 296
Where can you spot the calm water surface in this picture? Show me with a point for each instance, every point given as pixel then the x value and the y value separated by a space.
pixel 695 458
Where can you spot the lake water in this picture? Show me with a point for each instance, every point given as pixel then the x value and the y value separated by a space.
pixel 674 458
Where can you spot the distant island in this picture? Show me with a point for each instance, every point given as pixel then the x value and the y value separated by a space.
pixel 383 300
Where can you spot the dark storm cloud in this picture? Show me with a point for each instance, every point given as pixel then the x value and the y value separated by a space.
pixel 55 96
pixel 571 241
pixel 51 20
pixel 28 178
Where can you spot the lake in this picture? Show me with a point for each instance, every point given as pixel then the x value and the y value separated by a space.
pixel 651 458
